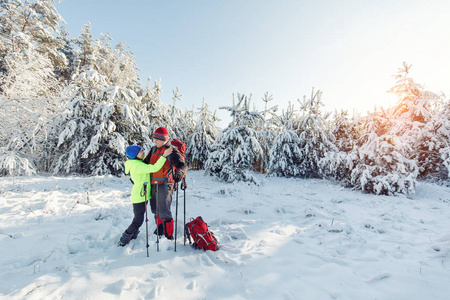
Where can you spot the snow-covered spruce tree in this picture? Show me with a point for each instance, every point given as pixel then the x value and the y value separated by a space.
pixel 266 134
pixel 29 50
pixel 87 53
pixel 157 113
pixel 285 153
pixel 118 64
pixel 443 140
pixel 412 113
pixel 236 147
pixel 28 56
pixel 380 163
pixel 36 20
pixel 181 125
pixel 200 141
pixel 337 164
pixel 96 125
pixel 432 149
pixel 65 73
pixel 314 135
pixel 24 129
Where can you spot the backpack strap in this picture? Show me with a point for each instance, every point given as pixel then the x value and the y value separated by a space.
pixel 187 233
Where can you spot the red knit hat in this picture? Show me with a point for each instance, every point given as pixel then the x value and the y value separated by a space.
pixel 161 134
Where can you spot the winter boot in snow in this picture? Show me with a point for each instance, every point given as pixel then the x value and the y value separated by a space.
pixel 168 229
pixel 135 235
pixel 160 223
pixel 125 239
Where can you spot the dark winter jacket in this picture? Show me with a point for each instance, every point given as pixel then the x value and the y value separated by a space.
pixel 175 159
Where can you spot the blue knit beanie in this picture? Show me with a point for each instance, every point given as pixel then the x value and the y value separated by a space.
pixel 132 151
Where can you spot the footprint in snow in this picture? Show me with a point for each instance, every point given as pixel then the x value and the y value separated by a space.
pixel 205 260
pixel 237 234
pixel 155 293
pixel 115 288
pixel 192 274
pixel 192 285
pixel 160 273
pixel 380 277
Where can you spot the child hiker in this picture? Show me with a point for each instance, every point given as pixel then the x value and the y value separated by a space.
pixel 139 173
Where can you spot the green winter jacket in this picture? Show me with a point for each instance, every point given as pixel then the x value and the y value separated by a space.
pixel 140 173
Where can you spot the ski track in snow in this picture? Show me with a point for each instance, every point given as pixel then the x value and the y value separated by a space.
pixel 284 239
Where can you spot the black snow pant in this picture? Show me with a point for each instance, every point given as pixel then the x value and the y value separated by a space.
pixel 164 198
pixel 139 215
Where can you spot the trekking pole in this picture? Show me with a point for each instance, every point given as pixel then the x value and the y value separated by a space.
pixel 183 187
pixel 157 217
pixel 176 219
pixel 146 214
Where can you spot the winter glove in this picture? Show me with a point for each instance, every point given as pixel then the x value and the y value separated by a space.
pixel 177 176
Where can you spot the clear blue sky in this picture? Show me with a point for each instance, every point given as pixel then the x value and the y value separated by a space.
pixel 211 49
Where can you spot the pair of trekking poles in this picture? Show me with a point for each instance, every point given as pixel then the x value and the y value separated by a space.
pixel 183 187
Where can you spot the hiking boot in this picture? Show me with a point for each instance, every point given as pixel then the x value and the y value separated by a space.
pixel 159 230
pixel 168 229
pixel 135 235
pixel 125 239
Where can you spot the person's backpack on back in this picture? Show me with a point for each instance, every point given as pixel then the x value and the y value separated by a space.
pixel 180 146
pixel 203 238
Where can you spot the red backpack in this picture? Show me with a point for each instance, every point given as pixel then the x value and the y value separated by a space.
pixel 203 238
pixel 180 146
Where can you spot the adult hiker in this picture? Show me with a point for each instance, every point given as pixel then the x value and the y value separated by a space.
pixel 140 174
pixel 163 181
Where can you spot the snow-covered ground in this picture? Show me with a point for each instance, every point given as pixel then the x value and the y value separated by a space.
pixel 283 239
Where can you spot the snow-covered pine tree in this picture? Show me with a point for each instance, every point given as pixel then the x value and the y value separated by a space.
pixel 412 113
pixel 442 131
pixel 314 135
pixel 65 73
pixel 29 50
pixel 200 141
pixel 181 126
pixel 285 154
pixel 380 163
pixel 266 134
pixel 88 50
pixel 432 150
pixel 236 147
pixel 118 64
pixel 346 131
pixel 24 130
pixel 156 112
pixel 28 56
pixel 96 125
